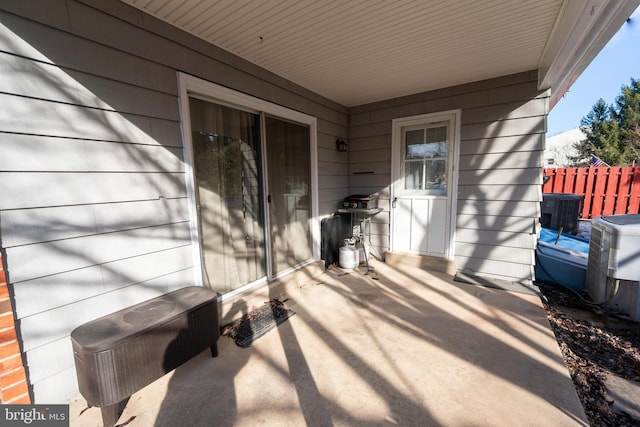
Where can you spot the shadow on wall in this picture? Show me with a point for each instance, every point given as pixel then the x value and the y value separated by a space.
pixel 498 203
pixel 107 224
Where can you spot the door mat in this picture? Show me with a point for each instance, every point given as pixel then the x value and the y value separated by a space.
pixel 252 326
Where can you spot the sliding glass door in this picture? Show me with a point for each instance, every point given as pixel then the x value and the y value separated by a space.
pixel 250 169
pixel 227 168
pixel 289 180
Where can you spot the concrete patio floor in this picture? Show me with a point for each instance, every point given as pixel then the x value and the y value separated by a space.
pixel 400 346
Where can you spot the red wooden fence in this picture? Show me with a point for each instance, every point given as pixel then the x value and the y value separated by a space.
pixel 606 191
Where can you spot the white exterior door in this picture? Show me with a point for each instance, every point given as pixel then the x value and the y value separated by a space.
pixel 424 179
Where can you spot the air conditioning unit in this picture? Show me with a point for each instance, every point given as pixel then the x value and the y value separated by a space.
pixel 613 267
pixel 561 211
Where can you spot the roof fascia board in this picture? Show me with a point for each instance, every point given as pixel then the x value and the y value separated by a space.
pixel 580 33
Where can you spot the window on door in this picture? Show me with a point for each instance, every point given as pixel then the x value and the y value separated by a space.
pixel 425 158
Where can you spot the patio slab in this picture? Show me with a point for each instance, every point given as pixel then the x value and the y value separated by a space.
pixel 399 346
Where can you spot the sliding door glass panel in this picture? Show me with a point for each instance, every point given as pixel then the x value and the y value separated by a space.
pixel 226 151
pixel 289 185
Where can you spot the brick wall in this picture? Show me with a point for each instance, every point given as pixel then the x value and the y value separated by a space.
pixel 13 379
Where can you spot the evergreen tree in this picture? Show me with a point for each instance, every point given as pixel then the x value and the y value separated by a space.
pixel 612 132
pixel 627 116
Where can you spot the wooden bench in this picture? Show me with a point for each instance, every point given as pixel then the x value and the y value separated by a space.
pixel 120 353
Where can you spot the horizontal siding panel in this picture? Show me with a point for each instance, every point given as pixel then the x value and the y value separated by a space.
pixel 379 241
pixel 499 208
pixel 49 45
pixel 490 252
pixel 35 116
pixel 380 142
pixel 55 14
pixel 51 325
pixel 332 200
pixel 34 296
pixel 513 110
pixel 46 365
pixel 380 227
pixel 372 156
pixel 43 259
pixel 496 238
pixel 330 168
pixel 164 132
pixel 507 177
pixel 22 190
pixel 463 89
pixel 58 389
pixel 331 155
pixel 522 126
pixel 499 192
pixel 513 160
pixel 370 180
pixel 51 83
pixel 47 154
pixel 516 92
pixel 128 98
pixel 507 144
pixel 371 130
pixel 400 110
pixel 331 130
pixel 493 268
pixel 332 182
pixel 498 223
pixel 464 101
pixel 36 225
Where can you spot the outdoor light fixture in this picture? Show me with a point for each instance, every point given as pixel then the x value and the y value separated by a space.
pixel 341 145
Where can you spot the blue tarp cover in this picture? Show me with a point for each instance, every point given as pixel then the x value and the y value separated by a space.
pixel 566 240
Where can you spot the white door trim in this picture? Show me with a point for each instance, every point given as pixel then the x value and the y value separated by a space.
pixel 453 116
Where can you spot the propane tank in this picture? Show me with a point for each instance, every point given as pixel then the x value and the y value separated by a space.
pixel 349 257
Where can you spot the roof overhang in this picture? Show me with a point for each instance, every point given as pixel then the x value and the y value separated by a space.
pixel 357 51
pixel 582 29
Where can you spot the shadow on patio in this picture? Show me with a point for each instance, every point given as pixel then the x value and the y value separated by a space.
pixel 400 346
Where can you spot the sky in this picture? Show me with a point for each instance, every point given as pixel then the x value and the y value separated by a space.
pixel 614 66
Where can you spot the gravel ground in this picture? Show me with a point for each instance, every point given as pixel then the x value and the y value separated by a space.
pixel 595 346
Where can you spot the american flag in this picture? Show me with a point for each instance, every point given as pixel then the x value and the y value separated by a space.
pixel 596 162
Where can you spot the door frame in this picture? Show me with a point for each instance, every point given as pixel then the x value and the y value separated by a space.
pixel 189 85
pixel 454 118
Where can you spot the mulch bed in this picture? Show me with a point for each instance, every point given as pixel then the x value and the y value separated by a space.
pixel 594 346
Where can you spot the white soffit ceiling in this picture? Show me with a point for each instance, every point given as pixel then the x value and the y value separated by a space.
pixel 359 51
